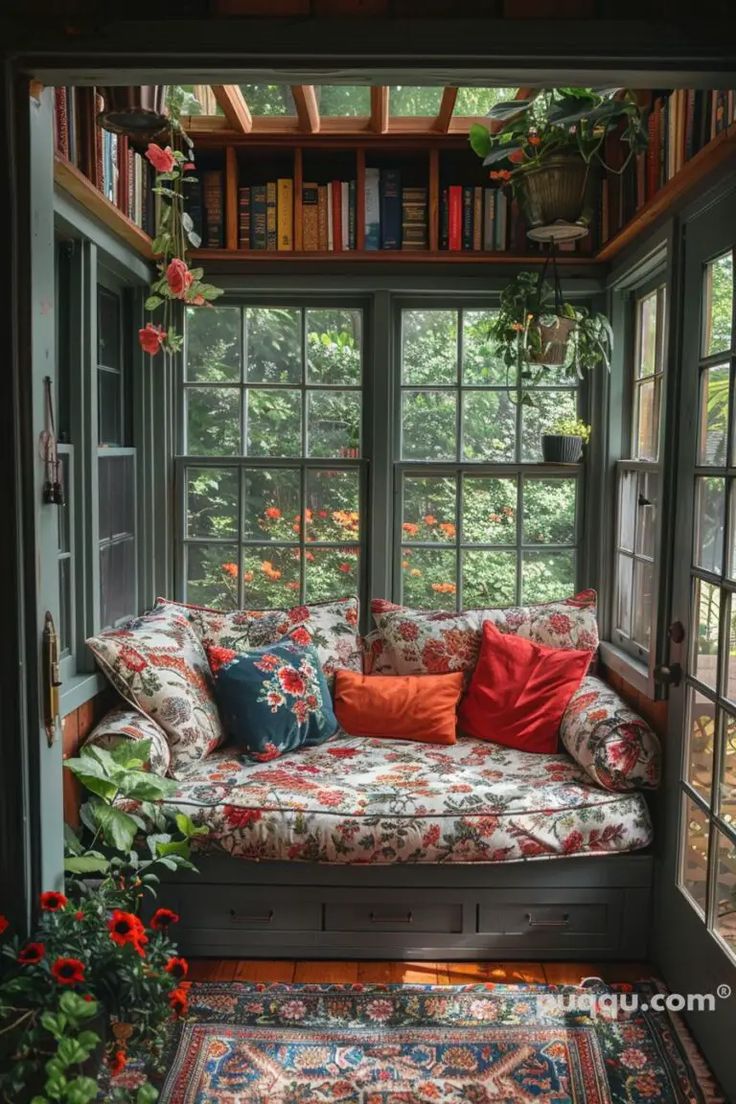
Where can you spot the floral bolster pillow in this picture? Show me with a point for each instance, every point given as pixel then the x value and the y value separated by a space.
pixel 614 745
pixel 274 699
pixel 417 642
pixel 129 724
pixel 158 665
pixel 332 628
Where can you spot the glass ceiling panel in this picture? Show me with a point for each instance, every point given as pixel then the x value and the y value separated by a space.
pixel 268 99
pixel 479 101
pixel 343 99
pixel 414 100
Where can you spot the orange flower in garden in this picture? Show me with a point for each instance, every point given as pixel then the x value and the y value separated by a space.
pixel 296 527
pixel 308 556
pixel 534 139
pixel 273 512
pixel 410 528
pixel 448 529
pixel 500 174
pixel 270 571
pixel 345 568
pixel 415 572
pixel 508 510
pixel 307 514
pixel 248 576
pixel 405 564
pixel 444 588
pixel 230 569
pixel 429 519
pixel 293 586
pixel 179 1001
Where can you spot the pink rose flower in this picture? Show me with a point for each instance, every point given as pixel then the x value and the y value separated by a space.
pixel 162 160
pixel 179 278
pixel 151 338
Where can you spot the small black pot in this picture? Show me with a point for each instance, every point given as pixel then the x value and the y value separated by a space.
pixel 558 449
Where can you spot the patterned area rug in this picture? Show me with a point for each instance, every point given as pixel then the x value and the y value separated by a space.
pixel 416 1044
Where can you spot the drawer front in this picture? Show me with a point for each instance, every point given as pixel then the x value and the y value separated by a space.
pixel 247 908
pixel 549 919
pixel 543 919
pixel 388 916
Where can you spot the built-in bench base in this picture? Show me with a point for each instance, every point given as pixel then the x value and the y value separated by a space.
pixel 560 908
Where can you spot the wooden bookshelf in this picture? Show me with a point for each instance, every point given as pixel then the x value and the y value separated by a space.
pixel 76 184
pixel 378 256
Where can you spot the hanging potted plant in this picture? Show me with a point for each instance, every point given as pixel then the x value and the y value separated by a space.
pixel 137 111
pixel 176 283
pixel 536 329
pixel 546 144
pixel 564 442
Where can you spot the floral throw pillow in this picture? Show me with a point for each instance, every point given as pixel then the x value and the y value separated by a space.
pixel 610 741
pixel 418 642
pixel 272 700
pixel 157 664
pixel 332 628
pixel 129 724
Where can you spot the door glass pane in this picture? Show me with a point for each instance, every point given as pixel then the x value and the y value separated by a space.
pixel 710 516
pixel 212 348
pixel 212 575
pixel 213 421
pixel 546 576
pixel 727 795
pixel 625 581
pixel 272 504
pixel 700 743
pixel 489 426
pixel 212 502
pixel 643 602
pixel 333 506
pixel 707 619
pixel 428 425
pixel 429 347
pixel 694 853
pixel 274 422
pixel 333 346
pixel 549 511
pixel 725 893
pixel 428 578
pixel 489 510
pixel 718 305
pixel 273 344
pixel 713 429
pixel 429 509
pixel 489 578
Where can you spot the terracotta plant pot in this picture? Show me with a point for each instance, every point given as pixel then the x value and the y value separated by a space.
pixel 553 341
pixel 560 449
pixel 136 111
pixel 553 198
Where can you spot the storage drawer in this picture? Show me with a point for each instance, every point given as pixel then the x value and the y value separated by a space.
pixel 549 918
pixel 532 920
pixel 388 916
pixel 248 908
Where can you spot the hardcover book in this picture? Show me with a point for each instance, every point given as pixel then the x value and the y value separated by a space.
pixel 285 214
pixel 212 200
pixel 258 216
pixel 372 209
pixel 390 209
pixel 322 219
pixel 414 218
pixel 467 218
pixel 455 217
pixel 271 216
pixel 243 218
pixel 310 218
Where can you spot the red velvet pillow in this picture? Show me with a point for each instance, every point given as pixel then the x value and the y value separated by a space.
pixel 519 691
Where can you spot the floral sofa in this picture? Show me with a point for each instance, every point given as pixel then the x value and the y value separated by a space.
pixel 384 803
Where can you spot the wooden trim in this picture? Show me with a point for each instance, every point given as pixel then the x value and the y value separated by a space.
pixel 379 109
pixel 447 106
pixel 718 150
pixel 393 256
pixel 307 109
pixel 76 184
pixel 234 107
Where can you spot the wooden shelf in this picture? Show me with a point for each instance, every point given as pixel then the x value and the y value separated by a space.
pixel 76 184
pixel 417 256
pixel 718 150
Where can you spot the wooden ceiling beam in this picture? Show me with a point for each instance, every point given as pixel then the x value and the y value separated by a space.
pixel 447 106
pixel 234 107
pixel 307 109
pixel 379 109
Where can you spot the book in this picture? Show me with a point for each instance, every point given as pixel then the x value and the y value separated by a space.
pixel 477 218
pixel 455 217
pixel 322 235
pixel 310 218
pixel 330 220
pixel 390 209
pixel 444 219
pixel 372 209
pixel 243 218
pixel 258 216
pixel 489 219
pixel 414 230
pixel 61 122
pixel 352 214
pixel 212 201
pixel 336 190
pixel 345 214
pixel 502 205
pixel 467 231
pixel 285 214
pixel 271 216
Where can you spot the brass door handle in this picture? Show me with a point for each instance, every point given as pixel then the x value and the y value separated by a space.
pixel 51 677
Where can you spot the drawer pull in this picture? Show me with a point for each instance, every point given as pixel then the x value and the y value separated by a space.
pixel 408 918
pixel 242 918
pixel 563 923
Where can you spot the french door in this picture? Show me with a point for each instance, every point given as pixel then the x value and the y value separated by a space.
pixel 695 932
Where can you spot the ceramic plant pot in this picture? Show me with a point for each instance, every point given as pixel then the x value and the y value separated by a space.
pixel 553 198
pixel 554 335
pixel 559 449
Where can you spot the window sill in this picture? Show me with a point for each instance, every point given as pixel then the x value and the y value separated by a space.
pixel 636 674
pixel 78 689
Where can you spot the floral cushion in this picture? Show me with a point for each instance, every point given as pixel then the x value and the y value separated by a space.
pixel 272 700
pixel 381 801
pixel 129 724
pixel 417 642
pixel 157 663
pixel 375 657
pixel 332 628
pixel 614 745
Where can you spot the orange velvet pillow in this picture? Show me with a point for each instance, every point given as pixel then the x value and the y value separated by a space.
pixel 401 707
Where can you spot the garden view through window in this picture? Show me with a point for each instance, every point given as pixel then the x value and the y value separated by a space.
pixel 275 476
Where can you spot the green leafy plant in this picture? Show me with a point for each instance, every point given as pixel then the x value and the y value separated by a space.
pixel 571 427
pixel 553 121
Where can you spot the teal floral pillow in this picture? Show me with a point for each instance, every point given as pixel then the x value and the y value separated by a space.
pixel 272 700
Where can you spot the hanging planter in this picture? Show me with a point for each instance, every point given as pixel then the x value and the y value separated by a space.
pixel 139 112
pixel 548 340
pixel 546 146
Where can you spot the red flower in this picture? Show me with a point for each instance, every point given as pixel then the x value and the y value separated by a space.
pixel 343 753
pixel 218 657
pixel 52 901
pixel 151 338
pixel 179 967
pixel 163 160
pixel 116 1062
pixel 68 971
pixel 31 954
pixel 230 569
pixel 273 512
pixel 301 636
pixel 179 1001
pixel 241 818
pixel 291 680
pixel 346 568
pixel 179 278
pixel 132 659
pixel 79 915
pixel 4 923
pixel 298 613
pixel 162 917
pixel 125 927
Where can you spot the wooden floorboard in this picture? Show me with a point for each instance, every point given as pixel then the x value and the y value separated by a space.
pixel 336 972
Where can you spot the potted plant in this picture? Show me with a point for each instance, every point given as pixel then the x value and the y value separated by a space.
pixel 564 443
pixel 545 146
pixel 96 985
pixel 535 329
pixel 138 111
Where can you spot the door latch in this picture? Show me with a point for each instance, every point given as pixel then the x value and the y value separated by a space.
pixel 670 675
pixel 51 678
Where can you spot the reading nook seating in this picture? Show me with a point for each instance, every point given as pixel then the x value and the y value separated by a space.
pixel 428 842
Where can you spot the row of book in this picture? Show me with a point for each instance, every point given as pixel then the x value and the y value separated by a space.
pixel 474 218
pixel 106 159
